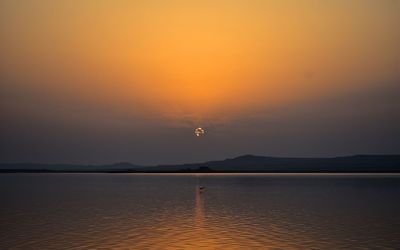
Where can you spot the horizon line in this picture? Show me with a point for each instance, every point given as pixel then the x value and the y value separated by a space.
pixel 198 162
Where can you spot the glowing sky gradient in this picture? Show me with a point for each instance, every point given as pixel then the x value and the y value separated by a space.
pixel 103 81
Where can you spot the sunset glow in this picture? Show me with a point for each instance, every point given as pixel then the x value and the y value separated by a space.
pixel 199 124
pixel 138 64
pixel 170 57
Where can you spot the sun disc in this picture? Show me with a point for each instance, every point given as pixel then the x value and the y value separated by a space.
pixel 199 131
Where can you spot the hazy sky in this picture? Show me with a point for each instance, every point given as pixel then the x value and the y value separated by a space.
pixel 91 81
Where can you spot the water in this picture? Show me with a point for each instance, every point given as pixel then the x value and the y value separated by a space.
pixel 143 211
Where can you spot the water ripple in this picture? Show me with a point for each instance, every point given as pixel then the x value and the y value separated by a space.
pixel 171 212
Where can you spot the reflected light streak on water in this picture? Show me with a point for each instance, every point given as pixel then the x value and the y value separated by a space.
pixel 128 211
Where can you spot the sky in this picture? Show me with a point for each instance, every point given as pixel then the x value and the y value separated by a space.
pixel 93 82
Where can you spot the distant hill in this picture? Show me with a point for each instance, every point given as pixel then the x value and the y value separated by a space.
pixel 37 167
pixel 251 163
pixel 245 163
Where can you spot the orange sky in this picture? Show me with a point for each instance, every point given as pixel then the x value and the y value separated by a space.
pixel 128 68
pixel 199 61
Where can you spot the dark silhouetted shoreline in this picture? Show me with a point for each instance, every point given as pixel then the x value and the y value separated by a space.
pixel 241 164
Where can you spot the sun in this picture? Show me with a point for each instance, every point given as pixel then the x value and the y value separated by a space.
pixel 199 131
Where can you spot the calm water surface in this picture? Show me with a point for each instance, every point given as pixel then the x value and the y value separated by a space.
pixel 133 211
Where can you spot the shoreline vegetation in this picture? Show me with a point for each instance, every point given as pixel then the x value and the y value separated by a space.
pixel 241 164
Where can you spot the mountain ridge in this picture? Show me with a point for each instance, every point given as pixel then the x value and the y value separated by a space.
pixel 243 163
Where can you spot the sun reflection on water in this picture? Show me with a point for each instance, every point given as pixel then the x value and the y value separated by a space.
pixel 193 211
